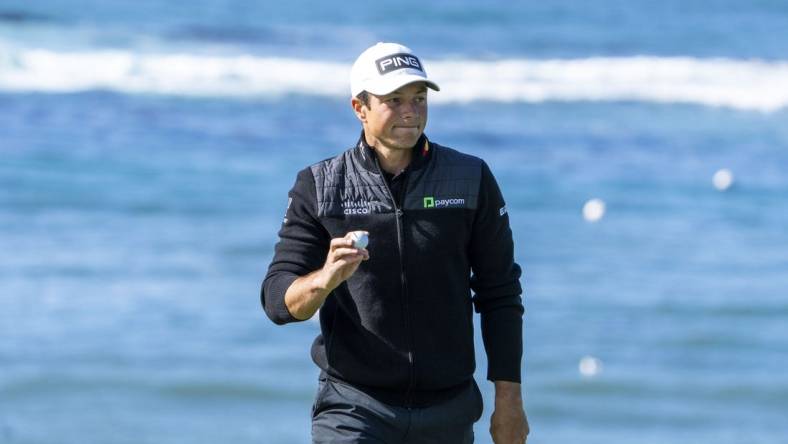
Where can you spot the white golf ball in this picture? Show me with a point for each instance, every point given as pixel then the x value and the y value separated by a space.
pixel 590 366
pixel 594 210
pixel 723 179
pixel 360 239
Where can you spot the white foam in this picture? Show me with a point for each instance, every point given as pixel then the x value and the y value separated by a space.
pixel 740 84
pixel 590 366
pixel 751 85
pixel 723 179
pixel 175 74
pixel 594 210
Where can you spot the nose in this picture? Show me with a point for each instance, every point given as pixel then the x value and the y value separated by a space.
pixel 409 109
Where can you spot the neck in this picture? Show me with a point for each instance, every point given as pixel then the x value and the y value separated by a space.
pixel 392 160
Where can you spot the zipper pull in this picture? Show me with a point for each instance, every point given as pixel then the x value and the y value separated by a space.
pixel 399 213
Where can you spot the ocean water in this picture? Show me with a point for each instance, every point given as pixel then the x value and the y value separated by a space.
pixel 146 149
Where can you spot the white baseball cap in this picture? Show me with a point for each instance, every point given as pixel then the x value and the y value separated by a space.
pixel 384 67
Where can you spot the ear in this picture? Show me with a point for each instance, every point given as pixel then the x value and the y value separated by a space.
pixel 359 109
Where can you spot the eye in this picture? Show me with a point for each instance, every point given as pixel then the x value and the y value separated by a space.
pixel 393 100
pixel 420 99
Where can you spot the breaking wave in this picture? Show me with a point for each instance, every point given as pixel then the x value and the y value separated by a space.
pixel 739 84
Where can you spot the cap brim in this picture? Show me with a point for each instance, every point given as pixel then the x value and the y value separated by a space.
pixel 389 85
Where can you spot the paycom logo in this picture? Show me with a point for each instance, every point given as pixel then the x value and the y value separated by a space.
pixel 432 202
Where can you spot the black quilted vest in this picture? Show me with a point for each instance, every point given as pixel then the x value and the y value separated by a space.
pixel 402 324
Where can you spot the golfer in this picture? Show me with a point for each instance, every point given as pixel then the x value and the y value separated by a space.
pixel 396 348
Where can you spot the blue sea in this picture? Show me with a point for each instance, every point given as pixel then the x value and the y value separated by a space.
pixel 147 147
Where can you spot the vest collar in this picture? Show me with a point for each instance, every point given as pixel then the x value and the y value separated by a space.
pixel 366 155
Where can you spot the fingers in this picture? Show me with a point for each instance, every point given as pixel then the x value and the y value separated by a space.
pixel 350 254
pixel 342 261
pixel 339 242
pixel 343 242
pixel 348 238
pixel 341 249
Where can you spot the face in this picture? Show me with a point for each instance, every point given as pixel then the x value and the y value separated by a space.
pixel 395 120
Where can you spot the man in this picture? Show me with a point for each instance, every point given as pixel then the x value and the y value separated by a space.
pixel 396 348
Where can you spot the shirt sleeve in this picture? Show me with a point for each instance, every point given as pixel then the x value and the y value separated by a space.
pixel 302 248
pixel 495 281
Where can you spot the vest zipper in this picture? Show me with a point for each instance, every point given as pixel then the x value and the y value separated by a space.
pixel 403 280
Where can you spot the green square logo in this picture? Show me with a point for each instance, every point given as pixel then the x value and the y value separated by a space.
pixel 429 202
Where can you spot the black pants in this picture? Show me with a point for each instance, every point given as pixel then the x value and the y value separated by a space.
pixel 344 414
